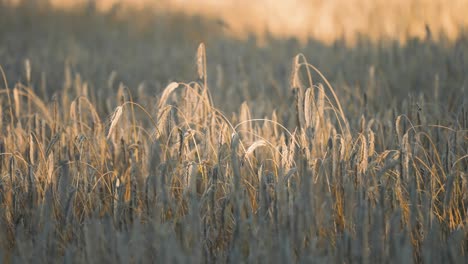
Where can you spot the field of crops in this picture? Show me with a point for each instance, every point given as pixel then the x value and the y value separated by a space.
pixel 130 137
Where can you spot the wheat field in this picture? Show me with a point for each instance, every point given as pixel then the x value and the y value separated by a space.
pixel 130 137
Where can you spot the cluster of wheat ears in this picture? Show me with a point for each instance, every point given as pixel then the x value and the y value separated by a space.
pixel 181 182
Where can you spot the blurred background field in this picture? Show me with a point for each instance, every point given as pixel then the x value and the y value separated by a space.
pixel 120 143
pixel 326 21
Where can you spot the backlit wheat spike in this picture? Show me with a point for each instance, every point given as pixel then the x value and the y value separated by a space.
pixel 80 117
pixel 364 154
pixel 256 144
pixel 84 90
pixel 52 142
pixel 31 149
pixel 284 153
pixel 295 82
pixel 371 142
pixel 115 118
pixel 320 108
pixel 201 61
pixel 191 179
pixel 406 152
pixel 274 119
pixel 399 129
pixel 163 119
pixel 16 98
pixel 300 109
pixel 362 123
pixel 342 148
pixel 308 107
pixel 96 120
pixel 35 100
pixel 27 65
pixel 246 126
pixel 167 91
pixel 291 149
pixel 50 169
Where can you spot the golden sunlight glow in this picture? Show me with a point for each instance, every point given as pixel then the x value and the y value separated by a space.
pixel 323 20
